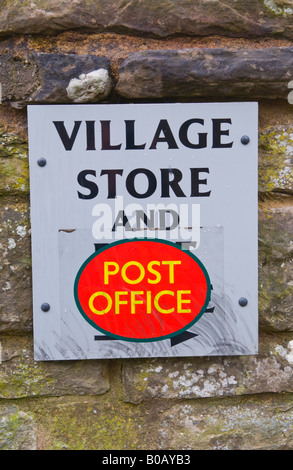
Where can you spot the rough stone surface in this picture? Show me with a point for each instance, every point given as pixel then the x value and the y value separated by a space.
pixel 212 73
pixel 43 78
pixel 276 160
pixel 17 430
pixel 246 425
pixel 254 18
pixel 105 423
pixel 21 376
pixel 15 266
pixel 191 73
pixel 269 371
pixel 90 423
pixel 276 296
pixel 14 171
pixel 276 268
pixel 276 234
pixel 15 250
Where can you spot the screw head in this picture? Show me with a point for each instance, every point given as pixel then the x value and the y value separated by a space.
pixel 243 302
pixel 45 307
pixel 245 139
pixel 42 161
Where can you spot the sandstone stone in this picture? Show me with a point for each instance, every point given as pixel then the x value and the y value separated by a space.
pixel 276 296
pixel 250 424
pixel 17 430
pixel 276 160
pixel 207 72
pixel 44 77
pixel 21 376
pixel 14 171
pixel 275 234
pixel 276 268
pixel 254 18
pixel 269 371
pixel 95 423
pixel 15 266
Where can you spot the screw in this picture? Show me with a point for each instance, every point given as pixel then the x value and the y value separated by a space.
pixel 42 162
pixel 243 301
pixel 245 139
pixel 45 307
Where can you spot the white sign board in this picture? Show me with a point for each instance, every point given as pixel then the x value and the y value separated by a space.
pixel 184 173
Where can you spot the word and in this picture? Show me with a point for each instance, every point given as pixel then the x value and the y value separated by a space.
pixel 169 221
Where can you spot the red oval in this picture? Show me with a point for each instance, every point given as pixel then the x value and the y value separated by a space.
pixel 142 290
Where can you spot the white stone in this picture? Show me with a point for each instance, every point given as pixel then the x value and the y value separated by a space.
pixel 21 230
pixel 91 87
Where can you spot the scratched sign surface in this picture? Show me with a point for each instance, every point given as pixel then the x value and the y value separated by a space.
pixel 144 230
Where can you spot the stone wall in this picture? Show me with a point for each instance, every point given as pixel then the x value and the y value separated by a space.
pixel 150 51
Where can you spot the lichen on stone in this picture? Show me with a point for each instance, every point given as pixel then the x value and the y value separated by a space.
pixel 23 379
pixel 276 160
pixel 17 430
pixel 107 428
pixel 286 353
pixel 14 167
pixel 279 7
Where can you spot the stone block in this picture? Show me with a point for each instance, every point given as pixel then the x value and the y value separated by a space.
pixel 276 268
pixel 258 424
pixel 14 170
pixel 93 423
pixel 44 78
pixel 21 376
pixel 18 429
pixel 276 160
pixel 15 266
pixel 275 234
pixel 210 377
pixel 207 73
pixel 276 296
pixel 254 18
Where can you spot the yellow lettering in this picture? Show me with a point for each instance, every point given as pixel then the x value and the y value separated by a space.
pixel 156 301
pixel 149 300
pixel 135 302
pixel 119 302
pixel 153 271
pixel 107 272
pixel 171 265
pixel 181 301
pixel 132 263
pixel 91 303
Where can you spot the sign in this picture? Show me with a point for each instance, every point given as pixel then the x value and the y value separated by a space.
pixel 139 290
pixel 144 229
